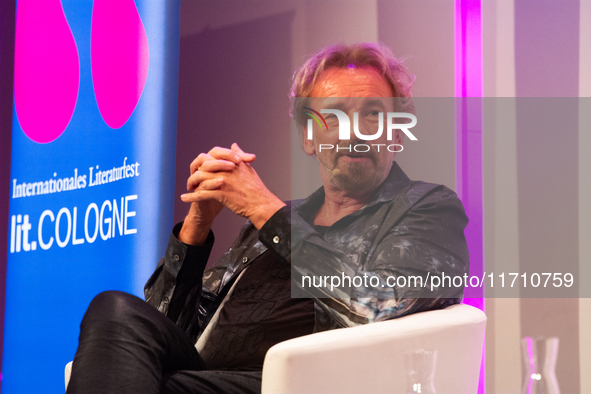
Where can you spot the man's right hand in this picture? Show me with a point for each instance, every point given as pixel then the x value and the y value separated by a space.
pixel 203 169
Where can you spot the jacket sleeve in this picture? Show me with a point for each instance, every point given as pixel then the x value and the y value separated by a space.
pixel 422 236
pixel 175 288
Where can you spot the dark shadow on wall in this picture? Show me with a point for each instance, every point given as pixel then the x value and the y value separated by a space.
pixel 233 87
pixel 7 24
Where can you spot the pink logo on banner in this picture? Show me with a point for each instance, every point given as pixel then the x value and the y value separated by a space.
pixel 46 69
pixel 120 57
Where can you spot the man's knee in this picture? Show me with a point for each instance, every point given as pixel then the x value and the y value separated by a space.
pixel 112 305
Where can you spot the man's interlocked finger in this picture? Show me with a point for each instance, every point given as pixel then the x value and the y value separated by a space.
pixel 198 177
pixel 198 162
pixel 217 165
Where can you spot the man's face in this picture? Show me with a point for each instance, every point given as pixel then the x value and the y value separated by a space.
pixel 366 92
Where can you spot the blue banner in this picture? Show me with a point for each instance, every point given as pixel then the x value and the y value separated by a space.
pixel 92 170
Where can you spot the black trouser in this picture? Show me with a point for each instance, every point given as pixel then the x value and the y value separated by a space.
pixel 127 346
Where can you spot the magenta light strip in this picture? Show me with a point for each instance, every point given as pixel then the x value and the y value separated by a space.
pixel 468 138
pixel 468 48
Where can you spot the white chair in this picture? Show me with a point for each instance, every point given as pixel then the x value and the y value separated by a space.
pixel 370 358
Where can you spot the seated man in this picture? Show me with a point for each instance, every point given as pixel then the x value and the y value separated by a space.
pixel 368 221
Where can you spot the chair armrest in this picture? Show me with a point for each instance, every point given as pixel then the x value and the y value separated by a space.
pixel 370 358
pixel 67 373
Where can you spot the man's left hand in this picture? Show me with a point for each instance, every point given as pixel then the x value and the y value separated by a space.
pixel 243 192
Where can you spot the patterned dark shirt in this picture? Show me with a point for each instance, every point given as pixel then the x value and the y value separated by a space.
pixel 409 228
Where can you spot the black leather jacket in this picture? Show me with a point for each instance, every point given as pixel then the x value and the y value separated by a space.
pixel 408 229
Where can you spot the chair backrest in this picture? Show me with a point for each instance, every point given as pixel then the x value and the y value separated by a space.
pixel 370 358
